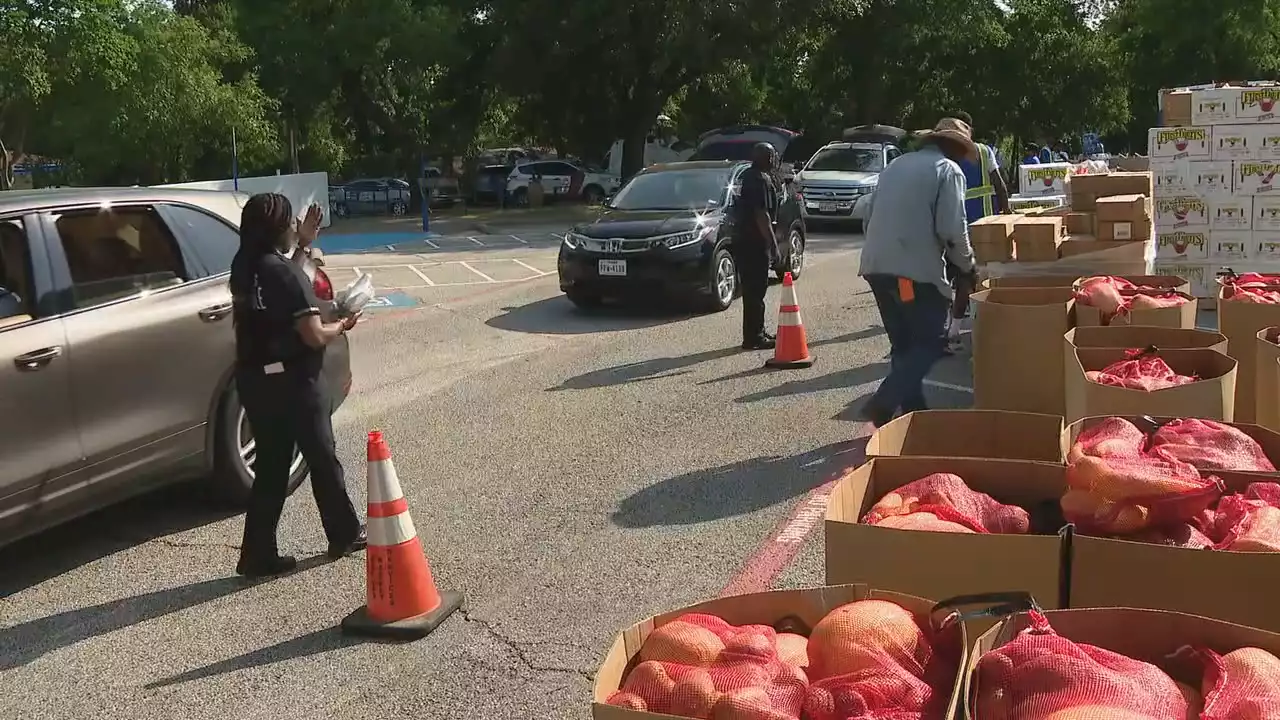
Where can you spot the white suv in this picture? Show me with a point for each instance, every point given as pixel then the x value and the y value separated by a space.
pixel 557 179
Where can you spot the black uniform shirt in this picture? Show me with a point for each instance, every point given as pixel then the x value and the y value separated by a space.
pixel 270 293
pixel 755 193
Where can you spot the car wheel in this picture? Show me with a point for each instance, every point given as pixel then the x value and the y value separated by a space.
pixel 584 299
pixel 520 198
pixel 340 211
pixel 398 208
pixel 235 452
pixel 723 281
pixel 794 261
pixel 593 194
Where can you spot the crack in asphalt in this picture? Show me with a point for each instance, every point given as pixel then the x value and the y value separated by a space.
pixel 517 648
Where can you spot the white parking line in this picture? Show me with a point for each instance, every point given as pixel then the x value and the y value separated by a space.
pixel 475 241
pixel 428 241
pixel 486 277
pixel 421 274
pixel 527 266
pixel 355 270
pixel 949 386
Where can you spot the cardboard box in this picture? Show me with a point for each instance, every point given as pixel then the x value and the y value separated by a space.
pixel 1241 322
pixel 1036 239
pixel 1212 397
pixel 1200 276
pixel 1265 213
pixel 1268 440
pixel 1266 247
pixel 1152 636
pixel 1184 244
pixel 1180 211
pixel 803 608
pixel 1124 230
pixel 1235 142
pixel 1016 353
pixel 1084 190
pixel 1230 245
pixel 1232 586
pixel 984 253
pixel 1078 223
pixel 1131 208
pixel 957 564
pixel 1257 104
pixel 1179 316
pixel 1230 213
pixel 1026 203
pixel 992 238
pixel 1138 336
pixel 1043 178
pixel 1212 177
pixel 1214 107
pixel 1031 281
pixel 1075 245
pixel 1267 379
pixel 1170 179
pixel 1183 143
pixel 996 434
pixel 1255 177
pixel 1175 108
pixel 1268 141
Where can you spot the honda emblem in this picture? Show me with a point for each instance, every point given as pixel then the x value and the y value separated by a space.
pixel 613 246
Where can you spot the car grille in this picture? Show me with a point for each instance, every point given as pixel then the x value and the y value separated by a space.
pixel 833 193
pixel 617 245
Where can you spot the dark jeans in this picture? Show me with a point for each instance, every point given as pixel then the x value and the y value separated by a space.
pixel 753 271
pixel 963 287
pixel 286 411
pixel 917 331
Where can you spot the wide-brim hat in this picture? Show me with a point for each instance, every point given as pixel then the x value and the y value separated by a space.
pixel 955 130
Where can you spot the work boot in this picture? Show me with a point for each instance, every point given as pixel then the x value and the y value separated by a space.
pixel 762 342
pixel 341 550
pixel 878 417
pixel 266 567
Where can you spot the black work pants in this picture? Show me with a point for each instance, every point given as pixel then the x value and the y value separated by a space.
pixel 917 330
pixel 286 411
pixel 753 272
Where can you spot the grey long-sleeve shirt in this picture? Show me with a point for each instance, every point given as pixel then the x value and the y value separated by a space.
pixel 916 220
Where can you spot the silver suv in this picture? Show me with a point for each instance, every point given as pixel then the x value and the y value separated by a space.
pixel 842 172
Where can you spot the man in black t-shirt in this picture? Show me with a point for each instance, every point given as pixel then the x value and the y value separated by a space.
pixel 754 244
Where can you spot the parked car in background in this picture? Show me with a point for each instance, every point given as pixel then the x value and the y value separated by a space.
pixel 561 179
pixel 668 231
pixel 841 173
pixel 487 183
pixel 373 196
pixel 657 149
pixel 442 190
pixel 118 345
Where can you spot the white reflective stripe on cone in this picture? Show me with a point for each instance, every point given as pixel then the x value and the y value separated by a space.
pixel 788 319
pixel 388 531
pixel 384 484
pixel 789 295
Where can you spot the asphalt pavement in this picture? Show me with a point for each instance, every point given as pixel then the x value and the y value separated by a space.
pixel 570 472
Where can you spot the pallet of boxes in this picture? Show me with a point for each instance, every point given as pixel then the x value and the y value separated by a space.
pixel 1215 159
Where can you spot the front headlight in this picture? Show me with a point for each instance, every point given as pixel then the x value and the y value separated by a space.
pixel 573 240
pixel 684 239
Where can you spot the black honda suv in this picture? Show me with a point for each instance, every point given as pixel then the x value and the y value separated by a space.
pixel 668 230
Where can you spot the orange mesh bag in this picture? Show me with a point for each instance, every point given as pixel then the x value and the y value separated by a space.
pixel 1249 522
pixel 875 660
pixel 1123 495
pixel 699 666
pixel 1251 287
pixel 1153 299
pixel 1244 684
pixel 1109 437
pixel 1102 292
pixel 1040 675
pixel 948 499
pixel 1209 445
pixel 1185 535
pixel 1140 370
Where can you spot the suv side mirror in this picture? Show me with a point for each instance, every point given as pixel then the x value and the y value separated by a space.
pixel 797 166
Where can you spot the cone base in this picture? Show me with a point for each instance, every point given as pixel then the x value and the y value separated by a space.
pixel 789 364
pixel 412 628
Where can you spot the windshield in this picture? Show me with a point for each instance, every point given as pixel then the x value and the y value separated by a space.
pixel 674 190
pixel 847 160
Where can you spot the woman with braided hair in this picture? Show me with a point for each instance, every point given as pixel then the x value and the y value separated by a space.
pixel 280 343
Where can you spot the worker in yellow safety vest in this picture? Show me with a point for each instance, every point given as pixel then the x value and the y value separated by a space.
pixel 985 194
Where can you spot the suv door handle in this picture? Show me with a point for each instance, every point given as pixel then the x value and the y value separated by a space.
pixel 216 312
pixel 37 359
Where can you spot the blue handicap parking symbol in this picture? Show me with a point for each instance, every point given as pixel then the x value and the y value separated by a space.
pixel 391 300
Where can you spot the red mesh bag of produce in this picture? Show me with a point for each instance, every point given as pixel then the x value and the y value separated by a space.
pixel 1109 437
pixel 1040 675
pixel 1185 535
pixel 1251 287
pixel 699 666
pixel 1250 521
pixel 875 660
pixel 1124 496
pixel 1102 292
pixel 1244 684
pixel 946 497
pixel 1140 370
pixel 1154 299
pixel 1209 445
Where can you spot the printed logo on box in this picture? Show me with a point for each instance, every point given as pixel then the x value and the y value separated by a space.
pixel 1266 214
pixel 1211 177
pixel 1190 244
pixel 1266 246
pixel 1233 141
pixel 1256 177
pixel 1231 214
pixel 1230 246
pixel 1169 179
pixel 1048 176
pixel 1181 211
pixel 1179 142
pixel 1195 275
pixel 1258 104
pixel 1267 141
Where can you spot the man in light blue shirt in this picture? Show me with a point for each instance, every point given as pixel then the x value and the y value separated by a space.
pixel 915 226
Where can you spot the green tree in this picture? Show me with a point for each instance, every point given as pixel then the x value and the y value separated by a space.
pixel 24 82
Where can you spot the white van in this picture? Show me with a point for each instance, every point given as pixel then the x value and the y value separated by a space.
pixel 656 150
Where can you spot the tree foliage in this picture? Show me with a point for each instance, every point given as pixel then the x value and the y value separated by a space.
pixel 147 91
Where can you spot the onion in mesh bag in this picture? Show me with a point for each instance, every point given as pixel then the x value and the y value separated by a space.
pixel 1140 370
pixel 1249 522
pixel 923 522
pixel 948 497
pixel 1040 675
pixel 1244 684
pixel 1155 301
pixel 1120 495
pixel 1109 437
pixel 1209 445
pixel 1103 293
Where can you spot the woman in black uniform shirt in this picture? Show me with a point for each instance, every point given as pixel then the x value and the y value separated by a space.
pixel 280 341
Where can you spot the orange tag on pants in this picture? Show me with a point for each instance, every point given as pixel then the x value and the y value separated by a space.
pixel 906 290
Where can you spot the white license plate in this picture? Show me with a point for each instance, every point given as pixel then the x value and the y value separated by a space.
pixel 615 268
pixel 559 190
pixel 827 206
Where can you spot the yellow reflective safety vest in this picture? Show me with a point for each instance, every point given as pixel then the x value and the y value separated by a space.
pixel 979 198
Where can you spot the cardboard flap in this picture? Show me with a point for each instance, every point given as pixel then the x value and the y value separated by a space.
pixel 1030 281
pixel 1025 296
pixel 970 433
pixel 1138 336
pixel 1202 363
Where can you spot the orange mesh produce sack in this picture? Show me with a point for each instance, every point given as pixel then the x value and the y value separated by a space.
pixel 1102 292
pixel 1244 684
pixel 1251 287
pixel 1140 370
pixel 1110 437
pixel 1125 495
pixel 945 497
pixel 1040 675
pixel 699 666
pixel 875 660
pixel 1209 445
pixel 1248 522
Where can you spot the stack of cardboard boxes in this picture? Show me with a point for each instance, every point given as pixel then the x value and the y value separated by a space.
pixel 1214 161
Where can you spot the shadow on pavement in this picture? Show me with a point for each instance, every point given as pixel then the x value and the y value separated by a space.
pixel 737 489
pixel 850 378
pixel 643 370
pixel 65 547
pixel 848 337
pixel 558 316
pixel 26 642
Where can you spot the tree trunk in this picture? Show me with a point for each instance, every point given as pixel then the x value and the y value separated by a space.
pixel 633 150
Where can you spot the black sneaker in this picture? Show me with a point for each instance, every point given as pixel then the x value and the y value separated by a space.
pixel 764 342
pixel 266 567
pixel 341 550
pixel 874 415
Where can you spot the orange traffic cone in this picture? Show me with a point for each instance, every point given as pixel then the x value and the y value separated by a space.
pixel 403 600
pixel 792 350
